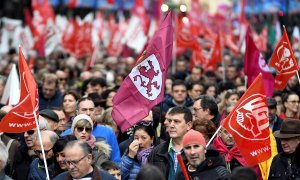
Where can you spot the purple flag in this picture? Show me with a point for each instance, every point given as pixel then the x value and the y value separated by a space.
pixel 254 64
pixel 144 87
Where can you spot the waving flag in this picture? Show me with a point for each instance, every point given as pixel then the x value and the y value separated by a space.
pixel 254 64
pixel 144 87
pixel 21 117
pixel 248 123
pixel 11 93
pixel 284 61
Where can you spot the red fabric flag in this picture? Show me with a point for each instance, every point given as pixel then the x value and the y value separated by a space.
pixel 284 61
pixel 216 56
pixel 248 123
pixel 254 64
pixel 21 117
pixel 144 87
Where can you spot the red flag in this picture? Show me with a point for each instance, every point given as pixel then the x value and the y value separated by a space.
pixel 216 56
pixel 254 64
pixel 283 60
pixel 21 117
pixel 248 123
pixel 144 87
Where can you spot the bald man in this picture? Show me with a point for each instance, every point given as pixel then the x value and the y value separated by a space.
pixel 37 167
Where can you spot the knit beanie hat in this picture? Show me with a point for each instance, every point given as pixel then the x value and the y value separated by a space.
pixel 193 136
pixel 80 117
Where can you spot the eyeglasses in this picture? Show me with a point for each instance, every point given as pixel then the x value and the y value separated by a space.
pixel 87 129
pixel 146 123
pixel 38 152
pixel 294 102
pixel 196 109
pixel 30 132
pixel 74 162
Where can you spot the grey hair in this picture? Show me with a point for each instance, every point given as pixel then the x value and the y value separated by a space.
pixel 53 137
pixel 43 123
pixel 3 155
pixel 85 147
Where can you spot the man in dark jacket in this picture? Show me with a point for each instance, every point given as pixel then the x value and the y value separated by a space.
pixel 200 164
pixel 178 122
pixel 179 96
pixel 79 160
pixel 49 94
pixel 286 165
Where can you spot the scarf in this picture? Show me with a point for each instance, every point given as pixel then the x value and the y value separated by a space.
pixel 142 156
pixel 92 141
pixel 234 152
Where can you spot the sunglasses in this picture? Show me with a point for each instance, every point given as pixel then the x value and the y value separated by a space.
pixel 30 132
pixel 38 152
pixel 145 123
pixel 87 129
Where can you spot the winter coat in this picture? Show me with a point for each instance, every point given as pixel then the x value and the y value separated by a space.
pixel 22 162
pixel 37 170
pixel 212 168
pixel 97 175
pixel 55 101
pixel 129 168
pixel 159 157
pixel 169 103
pixel 285 167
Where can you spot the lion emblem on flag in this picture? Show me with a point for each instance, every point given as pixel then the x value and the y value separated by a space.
pixel 147 77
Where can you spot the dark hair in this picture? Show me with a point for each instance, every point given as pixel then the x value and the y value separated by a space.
pixel 150 172
pixel 107 165
pixel 58 147
pixel 98 81
pixel 62 142
pixel 212 85
pixel 243 173
pixel 2 114
pixel 208 102
pixel 205 126
pixel 147 126
pixel 178 82
pixel 182 110
pixel 72 93
pixel 81 100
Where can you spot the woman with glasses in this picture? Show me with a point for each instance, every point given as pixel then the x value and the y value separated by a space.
pixel 82 128
pixel 138 151
pixel 290 106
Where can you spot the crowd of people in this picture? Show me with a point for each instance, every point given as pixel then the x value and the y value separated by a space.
pixel 81 139
pixel 176 140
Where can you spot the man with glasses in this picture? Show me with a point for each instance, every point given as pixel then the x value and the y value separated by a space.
pixel 86 106
pixel 25 154
pixel 37 167
pixel 78 157
pixel 205 107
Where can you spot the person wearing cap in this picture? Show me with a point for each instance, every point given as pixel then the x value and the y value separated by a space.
pixel 286 165
pixel 82 128
pixel 51 117
pixel 274 120
pixel 198 166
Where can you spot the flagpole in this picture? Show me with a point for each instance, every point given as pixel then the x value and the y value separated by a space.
pixel 298 76
pixel 42 146
pixel 213 137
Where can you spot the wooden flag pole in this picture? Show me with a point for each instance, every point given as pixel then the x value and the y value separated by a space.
pixel 42 146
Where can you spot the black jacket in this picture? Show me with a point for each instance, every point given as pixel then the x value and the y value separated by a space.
pixel 159 157
pixel 212 168
pixel 286 167
pixel 22 163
